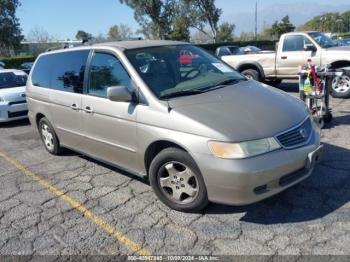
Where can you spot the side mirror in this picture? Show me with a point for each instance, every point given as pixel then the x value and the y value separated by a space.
pixel 119 94
pixel 310 47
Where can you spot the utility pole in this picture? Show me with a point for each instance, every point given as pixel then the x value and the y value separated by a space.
pixel 256 20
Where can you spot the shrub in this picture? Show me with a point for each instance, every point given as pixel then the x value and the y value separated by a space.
pixel 15 62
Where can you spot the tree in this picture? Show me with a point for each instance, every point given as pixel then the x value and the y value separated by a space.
pixel 180 30
pixel 10 31
pixel 114 33
pixel 199 37
pixel 180 24
pixel 244 36
pixel 279 28
pixel 39 34
pixel 172 19
pixel 329 22
pixel 154 16
pixel 225 32
pixel 204 13
pixel 82 35
pixel 121 32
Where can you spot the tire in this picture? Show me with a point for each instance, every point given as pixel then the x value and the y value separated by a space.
pixel 340 87
pixel 172 172
pixel 251 74
pixel 320 122
pixel 327 118
pixel 49 137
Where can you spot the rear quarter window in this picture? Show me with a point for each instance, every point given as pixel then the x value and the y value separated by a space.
pixel 41 73
pixel 61 71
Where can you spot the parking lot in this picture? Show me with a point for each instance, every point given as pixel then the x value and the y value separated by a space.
pixel 73 205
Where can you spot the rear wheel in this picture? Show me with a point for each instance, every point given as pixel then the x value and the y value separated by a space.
pixel 49 137
pixel 341 87
pixel 177 181
pixel 251 74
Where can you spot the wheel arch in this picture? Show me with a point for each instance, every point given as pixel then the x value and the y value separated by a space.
pixel 156 147
pixel 340 64
pixel 38 117
pixel 252 65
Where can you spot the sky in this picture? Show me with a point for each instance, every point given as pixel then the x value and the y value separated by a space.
pixel 63 18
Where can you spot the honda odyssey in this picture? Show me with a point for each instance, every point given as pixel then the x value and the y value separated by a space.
pixel 176 115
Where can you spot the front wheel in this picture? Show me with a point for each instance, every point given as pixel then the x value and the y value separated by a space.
pixel 341 87
pixel 177 181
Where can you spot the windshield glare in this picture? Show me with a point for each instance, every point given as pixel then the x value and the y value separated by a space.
pixel 11 79
pixel 181 68
pixel 323 40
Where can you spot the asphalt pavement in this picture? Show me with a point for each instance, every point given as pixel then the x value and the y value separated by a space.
pixel 73 205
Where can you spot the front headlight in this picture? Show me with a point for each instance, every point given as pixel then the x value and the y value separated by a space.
pixel 243 149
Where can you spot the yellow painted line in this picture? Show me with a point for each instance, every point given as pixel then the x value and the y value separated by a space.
pixel 76 205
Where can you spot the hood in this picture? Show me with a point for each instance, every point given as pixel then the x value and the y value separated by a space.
pixel 13 94
pixel 339 48
pixel 245 111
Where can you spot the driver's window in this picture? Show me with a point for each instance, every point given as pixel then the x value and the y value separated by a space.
pixel 106 71
pixel 295 43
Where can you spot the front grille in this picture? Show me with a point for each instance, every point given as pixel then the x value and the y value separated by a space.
pixel 17 102
pixel 17 114
pixel 297 136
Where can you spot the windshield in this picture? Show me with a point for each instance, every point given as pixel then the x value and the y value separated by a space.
pixel 235 50
pixel 323 40
pixel 180 69
pixel 12 79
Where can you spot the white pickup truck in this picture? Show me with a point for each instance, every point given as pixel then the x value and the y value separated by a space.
pixel 293 50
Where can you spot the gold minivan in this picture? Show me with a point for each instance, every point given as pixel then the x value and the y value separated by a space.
pixel 170 112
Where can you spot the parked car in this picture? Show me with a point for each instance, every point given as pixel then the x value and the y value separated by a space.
pixel 250 50
pixel 294 49
pixel 198 130
pixel 228 50
pixel 343 42
pixel 13 105
pixel 26 67
pixel 2 65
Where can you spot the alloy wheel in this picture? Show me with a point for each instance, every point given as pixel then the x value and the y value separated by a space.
pixel 341 84
pixel 178 182
pixel 47 137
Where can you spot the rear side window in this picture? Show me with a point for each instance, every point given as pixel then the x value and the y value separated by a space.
pixel 68 71
pixel 42 71
pixel 61 71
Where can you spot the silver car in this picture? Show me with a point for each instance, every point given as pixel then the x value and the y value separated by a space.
pixel 170 112
pixel 13 104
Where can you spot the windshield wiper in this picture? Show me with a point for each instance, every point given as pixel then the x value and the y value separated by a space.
pixel 187 92
pixel 222 84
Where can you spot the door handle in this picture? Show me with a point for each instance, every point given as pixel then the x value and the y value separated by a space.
pixel 88 110
pixel 284 57
pixel 74 107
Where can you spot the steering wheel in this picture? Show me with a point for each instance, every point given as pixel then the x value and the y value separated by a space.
pixel 190 72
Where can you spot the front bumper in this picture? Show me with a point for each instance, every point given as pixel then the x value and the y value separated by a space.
pixel 13 112
pixel 241 182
